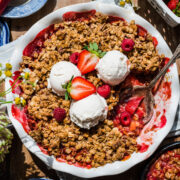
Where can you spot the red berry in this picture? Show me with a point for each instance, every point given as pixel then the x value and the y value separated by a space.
pixel 125 118
pixel 104 91
pixel 74 57
pixel 127 45
pixel 172 4
pixel 59 114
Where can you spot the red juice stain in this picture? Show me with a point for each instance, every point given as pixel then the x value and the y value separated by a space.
pixel 143 148
pixel 79 16
pixel 158 113
pixel 16 89
pixel 126 157
pixel 167 89
pixel 88 166
pixel 155 41
pixel 21 117
pixel 163 121
pixel 16 74
pixel 42 149
pixel 113 19
pixel 165 61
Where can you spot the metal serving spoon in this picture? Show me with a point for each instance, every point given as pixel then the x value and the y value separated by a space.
pixel 146 91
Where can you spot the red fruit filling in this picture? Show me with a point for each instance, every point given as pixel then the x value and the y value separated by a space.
pixel 141 31
pixel 127 45
pixel 59 114
pixel 133 104
pixel 78 16
pixel 104 91
pixel 113 19
pixel 74 58
pixel 125 118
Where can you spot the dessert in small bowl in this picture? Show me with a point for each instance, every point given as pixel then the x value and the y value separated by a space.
pixel 73 80
pixel 164 164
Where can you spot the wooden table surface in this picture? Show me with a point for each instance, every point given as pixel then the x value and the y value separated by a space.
pixel 22 164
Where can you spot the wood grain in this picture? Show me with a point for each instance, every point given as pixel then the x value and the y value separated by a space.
pixel 24 165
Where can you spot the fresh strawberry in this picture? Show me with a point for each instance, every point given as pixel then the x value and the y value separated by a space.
pixel 79 88
pixel 89 58
pixel 172 4
pixel 87 62
pixel 133 104
pixel 104 90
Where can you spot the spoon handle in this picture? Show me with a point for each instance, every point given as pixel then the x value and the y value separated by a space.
pixel 166 67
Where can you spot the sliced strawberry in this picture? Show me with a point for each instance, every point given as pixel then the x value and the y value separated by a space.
pixel 87 62
pixel 141 31
pixel 81 88
pixel 133 104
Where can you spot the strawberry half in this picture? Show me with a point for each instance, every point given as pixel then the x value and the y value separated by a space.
pixel 79 88
pixel 87 62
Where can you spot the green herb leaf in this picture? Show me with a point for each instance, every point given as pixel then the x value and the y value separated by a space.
pixel 94 49
pixel 66 96
pixel 91 46
pixel 95 46
pixel 95 52
pixel 102 54
pixel 64 86
pixel 86 48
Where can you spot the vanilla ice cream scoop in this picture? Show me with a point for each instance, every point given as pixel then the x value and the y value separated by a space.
pixel 113 68
pixel 60 74
pixel 87 112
